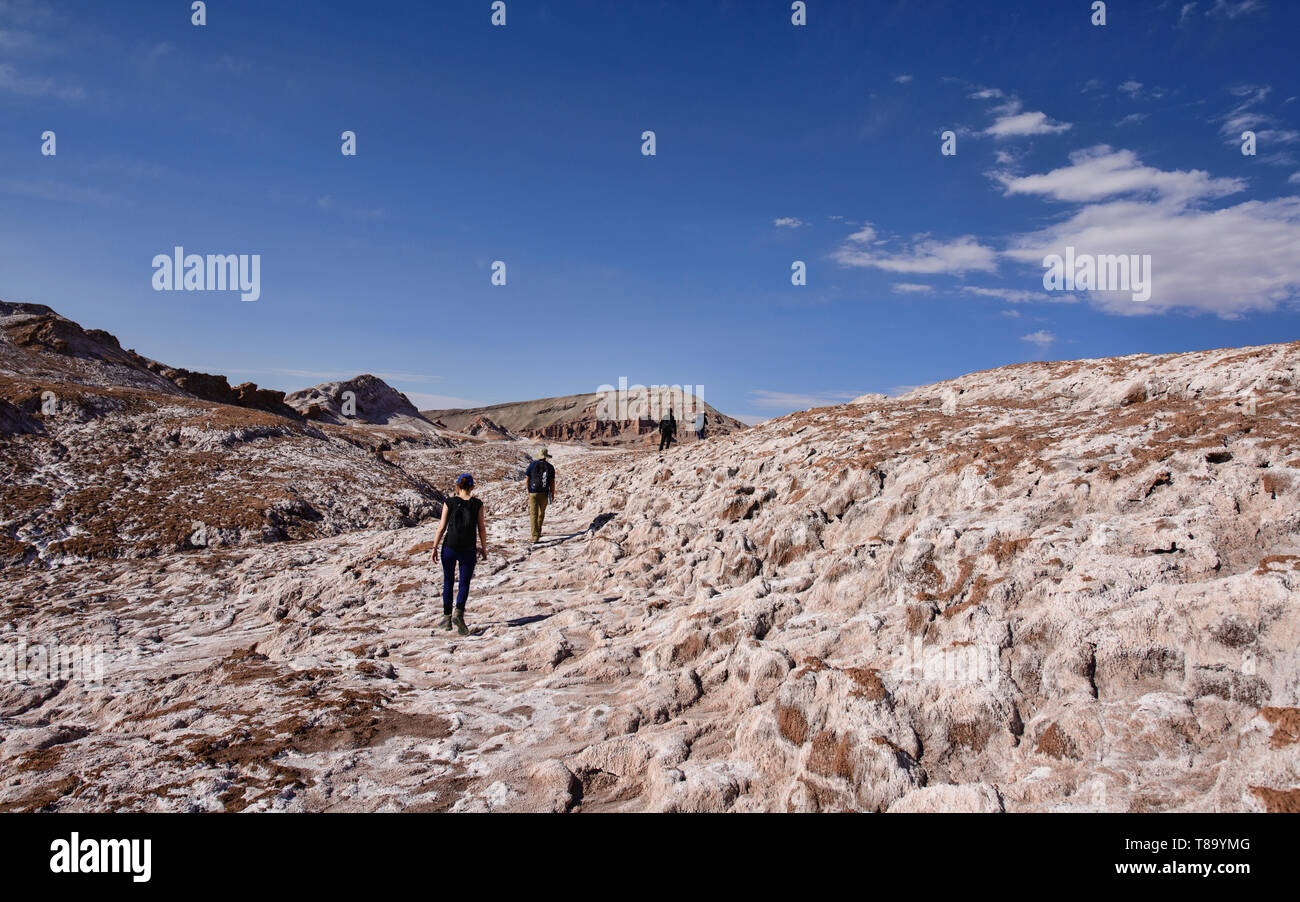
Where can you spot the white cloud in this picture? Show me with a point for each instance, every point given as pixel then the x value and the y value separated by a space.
pixel 1102 172
pixel 1226 261
pixel 902 79
pixel 925 255
pixel 1132 119
pixel 1131 88
pixel 1012 120
pixel 911 288
pixel 1027 123
pixel 1294 179
pixel 787 222
pixel 1185 14
pixel 1042 338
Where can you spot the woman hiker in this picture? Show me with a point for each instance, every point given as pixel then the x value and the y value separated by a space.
pixel 462 517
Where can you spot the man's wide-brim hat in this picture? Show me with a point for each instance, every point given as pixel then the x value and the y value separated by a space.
pixel 541 454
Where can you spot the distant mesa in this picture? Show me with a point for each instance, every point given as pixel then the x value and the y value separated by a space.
pixel 577 418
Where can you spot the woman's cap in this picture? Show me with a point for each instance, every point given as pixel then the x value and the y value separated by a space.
pixel 465 478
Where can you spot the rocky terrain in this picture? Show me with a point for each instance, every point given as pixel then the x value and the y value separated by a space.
pixel 593 419
pixel 107 453
pixel 1057 586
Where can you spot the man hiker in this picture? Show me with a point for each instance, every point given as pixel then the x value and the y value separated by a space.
pixel 462 518
pixel 701 423
pixel 540 476
pixel 667 430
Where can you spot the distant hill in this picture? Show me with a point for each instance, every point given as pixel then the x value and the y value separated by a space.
pixel 376 403
pixel 586 418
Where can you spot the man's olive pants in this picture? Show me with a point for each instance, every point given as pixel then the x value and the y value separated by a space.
pixel 537 502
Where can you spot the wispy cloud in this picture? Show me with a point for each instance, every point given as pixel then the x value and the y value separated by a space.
pixel 787 222
pixel 58 192
pixel 1011 120
pixel 1014 295
pixel 923 255
pixel 37 86
pixel 795 401
pixel 1042 338
pixel 232 65
pixel 912 288
pixel 24 12
pixel 1234 9
pixel 326 202
pixel 903 79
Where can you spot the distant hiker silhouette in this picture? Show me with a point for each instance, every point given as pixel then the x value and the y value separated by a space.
pixel 540 477
pixel 701 423
pixel 462 517
pixel 667 430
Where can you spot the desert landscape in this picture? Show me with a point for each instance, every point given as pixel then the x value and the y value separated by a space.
pixel 1066 586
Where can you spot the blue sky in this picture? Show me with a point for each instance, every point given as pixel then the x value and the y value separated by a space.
pixel 775 143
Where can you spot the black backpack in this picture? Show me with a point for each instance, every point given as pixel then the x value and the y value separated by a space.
pixel 462 523
pixel 541 478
